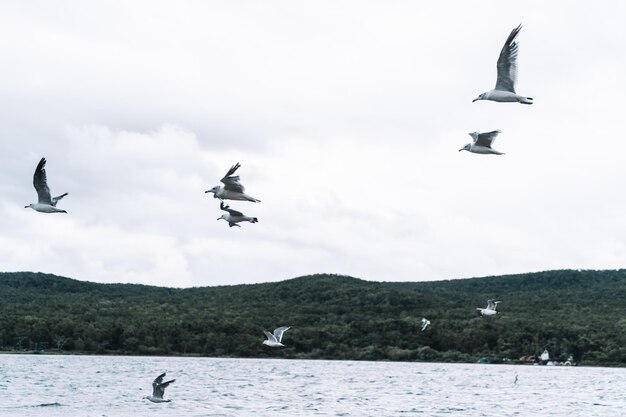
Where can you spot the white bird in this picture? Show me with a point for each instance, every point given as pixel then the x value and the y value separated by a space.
pixel 45 203
pixel 232 189
pixel 158 389
pixel 274 340
pixel 425 323
pixel 507 74
pixel 233 216
pixel 490 310
pixel 482 143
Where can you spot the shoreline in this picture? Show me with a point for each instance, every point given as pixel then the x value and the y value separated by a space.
pixel 512 363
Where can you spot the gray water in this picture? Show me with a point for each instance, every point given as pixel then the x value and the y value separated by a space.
pixel 41 385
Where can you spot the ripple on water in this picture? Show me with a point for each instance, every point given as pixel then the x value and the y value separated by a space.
pixel 67 386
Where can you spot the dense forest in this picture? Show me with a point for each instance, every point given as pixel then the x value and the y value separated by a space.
pixel 579 313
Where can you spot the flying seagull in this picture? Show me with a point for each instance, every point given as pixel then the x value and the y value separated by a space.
pixel 490 310
pixel 232 189
pixel 233 216
pixel 482 143
pixel 507 74
pixel 158 389
pixel 273 340
pixel 45 203
pixel 425 323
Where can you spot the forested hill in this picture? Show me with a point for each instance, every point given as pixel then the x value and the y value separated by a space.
pixel 582 313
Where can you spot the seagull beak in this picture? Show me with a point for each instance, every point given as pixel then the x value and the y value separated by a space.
pixel 461 149
pixel 26 206
pixel 476 99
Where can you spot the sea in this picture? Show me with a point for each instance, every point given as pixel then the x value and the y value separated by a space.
pixel 64 385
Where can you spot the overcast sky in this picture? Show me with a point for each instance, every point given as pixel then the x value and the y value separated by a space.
pixel 346 117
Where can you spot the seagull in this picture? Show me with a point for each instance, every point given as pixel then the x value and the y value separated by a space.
pixel 482 143
pixel 233 216
pixel 425 323
pixel 158 389
pixel 232 189
pixel 273 340
pixel 490 310
pixel 45 204
pixel 507 74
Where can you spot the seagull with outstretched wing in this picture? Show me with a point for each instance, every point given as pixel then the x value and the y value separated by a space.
pixel 233 216
pixel 482 143
pixel 490 310
pixel 507 74
pixel 274 340
pixel 45 202
pixel 232 188
pixel 158 389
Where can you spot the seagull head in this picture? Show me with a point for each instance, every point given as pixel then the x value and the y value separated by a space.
pixel 480 97
pixel 466 147
pixel 213 190
pixel 223 216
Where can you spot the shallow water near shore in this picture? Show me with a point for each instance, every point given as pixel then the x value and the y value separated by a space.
pixel 42 385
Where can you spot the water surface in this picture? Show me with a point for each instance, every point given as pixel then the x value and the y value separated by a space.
pixel 41 385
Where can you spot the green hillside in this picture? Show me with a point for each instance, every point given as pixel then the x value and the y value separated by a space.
pixel 582 313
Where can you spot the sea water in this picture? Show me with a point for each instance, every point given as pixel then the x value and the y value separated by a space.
pixel 46 385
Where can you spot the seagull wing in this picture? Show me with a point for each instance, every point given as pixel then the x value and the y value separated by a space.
pixel 161 387
pixel 55 200
pixel 270 337
pixel 278 333
pixel 158 379
pixel 491 305
pixel 232 212
pixel 486 139
pixel 40 181
pixel 157 391
pixel 231 182
pixel 507 63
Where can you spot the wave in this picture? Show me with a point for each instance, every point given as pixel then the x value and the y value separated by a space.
pixel 48 405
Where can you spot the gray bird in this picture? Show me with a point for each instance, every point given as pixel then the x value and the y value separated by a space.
pixel 490 310
pixel 45 203
pixel 275 339
pixel 482 143
pixel 233 216
pixel 158 389
pixel 507 74
pixel 232 189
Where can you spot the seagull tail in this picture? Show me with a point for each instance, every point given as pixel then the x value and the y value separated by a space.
pixel 526 100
